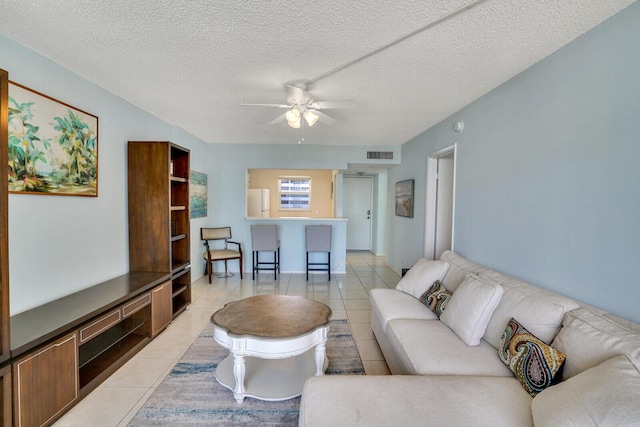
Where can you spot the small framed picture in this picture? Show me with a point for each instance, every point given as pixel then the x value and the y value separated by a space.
pixel 404 198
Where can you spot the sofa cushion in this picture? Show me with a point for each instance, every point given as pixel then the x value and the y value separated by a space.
pixel 459 268
pixel 534 363
pixel 605 395
pixel 589 338
pixel 429 347
pixel 436 298
pixel 540 310
pixel 389 304
pixel 470 308
pixel 376 401
pixel 421 276
pixel 625 323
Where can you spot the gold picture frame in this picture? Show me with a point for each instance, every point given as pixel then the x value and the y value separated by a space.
pixel 53 146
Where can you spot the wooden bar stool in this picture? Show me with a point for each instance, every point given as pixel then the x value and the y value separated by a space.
pixel 265 238
pixel 318 239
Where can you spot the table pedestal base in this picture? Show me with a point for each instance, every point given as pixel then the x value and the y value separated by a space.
pixel 270 379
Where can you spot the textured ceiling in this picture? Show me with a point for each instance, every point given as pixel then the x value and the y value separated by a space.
pixel 192 62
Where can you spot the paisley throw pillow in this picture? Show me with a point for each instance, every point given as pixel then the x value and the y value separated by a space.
pixel 534 363
pixel 436 298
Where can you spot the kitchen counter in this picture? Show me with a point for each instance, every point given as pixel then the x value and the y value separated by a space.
pixel 300 218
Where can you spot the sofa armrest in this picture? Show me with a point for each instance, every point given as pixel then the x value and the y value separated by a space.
pixel 413 400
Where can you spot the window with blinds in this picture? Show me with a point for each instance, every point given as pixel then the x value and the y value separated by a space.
pixel 295 192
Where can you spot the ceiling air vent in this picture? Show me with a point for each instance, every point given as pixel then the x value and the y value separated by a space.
pixel 387 155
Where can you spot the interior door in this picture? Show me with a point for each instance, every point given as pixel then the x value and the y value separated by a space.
pixel 439 229
pixel 358 193
pixel 444 206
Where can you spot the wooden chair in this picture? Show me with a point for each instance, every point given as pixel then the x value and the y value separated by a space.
pixel 212 254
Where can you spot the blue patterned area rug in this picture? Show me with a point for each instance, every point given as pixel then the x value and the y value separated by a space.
pixel 191 396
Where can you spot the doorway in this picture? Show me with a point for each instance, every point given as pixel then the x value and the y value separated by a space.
pixel 358 194
pixel 440 202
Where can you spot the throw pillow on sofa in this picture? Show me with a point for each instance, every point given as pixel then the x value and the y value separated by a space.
pixel 422 275
pixel 590 338
pixel 534 363
pixel 470 308
pixel 436 298
pixel 605 395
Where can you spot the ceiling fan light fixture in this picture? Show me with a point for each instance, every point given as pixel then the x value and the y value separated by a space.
pixel 293 118
pixel 311 117
pixel 295 125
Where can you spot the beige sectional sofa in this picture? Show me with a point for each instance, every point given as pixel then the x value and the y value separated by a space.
pixel 447 370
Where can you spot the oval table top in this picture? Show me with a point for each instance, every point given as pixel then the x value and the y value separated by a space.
pixel 272 316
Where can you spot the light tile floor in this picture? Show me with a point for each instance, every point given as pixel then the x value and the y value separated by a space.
pixel 117 400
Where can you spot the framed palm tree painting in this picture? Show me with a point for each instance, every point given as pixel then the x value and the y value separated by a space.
pixel 53 147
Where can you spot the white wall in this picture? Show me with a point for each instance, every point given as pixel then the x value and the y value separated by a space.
pixel 59 245
pixel 548 172
pixel 379 234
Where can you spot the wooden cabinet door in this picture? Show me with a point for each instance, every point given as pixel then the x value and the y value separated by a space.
pixel 46 382
pixel 5 393
pixel 161 309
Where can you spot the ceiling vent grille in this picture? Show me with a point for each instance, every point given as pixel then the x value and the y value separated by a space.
pixel 386 155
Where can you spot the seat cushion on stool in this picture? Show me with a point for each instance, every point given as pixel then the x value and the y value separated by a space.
pixel 264 237
pixel 318 238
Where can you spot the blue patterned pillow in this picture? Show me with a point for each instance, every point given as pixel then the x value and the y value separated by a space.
pixel 534 363
pixel 436 298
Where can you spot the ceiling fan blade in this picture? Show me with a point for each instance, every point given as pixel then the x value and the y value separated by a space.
pixel 326 105
pixel 266 105
pixel 281 118
pixel 327 120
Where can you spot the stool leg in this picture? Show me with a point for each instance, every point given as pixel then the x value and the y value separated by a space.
pixel 329 265
pixel 275 265
pixel 307 266
pixel 253 265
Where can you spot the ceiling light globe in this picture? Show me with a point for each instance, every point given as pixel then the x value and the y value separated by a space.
pixel 295 124
pixel 293 115
pixel 310 117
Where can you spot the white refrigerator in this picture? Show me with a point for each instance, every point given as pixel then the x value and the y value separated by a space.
pixel 258 203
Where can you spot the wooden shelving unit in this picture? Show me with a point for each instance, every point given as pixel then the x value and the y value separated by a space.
pixel 5 369
pixel 159 223
pixel 102 352
pixel 181 292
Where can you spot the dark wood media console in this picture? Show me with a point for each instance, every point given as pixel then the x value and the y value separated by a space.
pixel 64 349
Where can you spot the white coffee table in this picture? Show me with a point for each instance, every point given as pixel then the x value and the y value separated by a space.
pixel 276 342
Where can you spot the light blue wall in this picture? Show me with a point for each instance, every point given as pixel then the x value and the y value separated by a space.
pixel 546 185
pixel 405 236
pixel 228 164
pixel 59 245
pixel 548 168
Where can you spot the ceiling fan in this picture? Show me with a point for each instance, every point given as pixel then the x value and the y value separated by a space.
pixel 301 105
